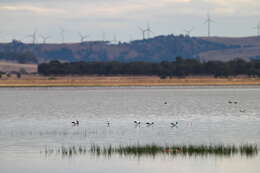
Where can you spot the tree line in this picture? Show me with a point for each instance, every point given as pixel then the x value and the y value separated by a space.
pixel 20 57
pixel 179 68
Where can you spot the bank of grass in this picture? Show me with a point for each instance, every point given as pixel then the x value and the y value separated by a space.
pixel 114 81
pixel 153 150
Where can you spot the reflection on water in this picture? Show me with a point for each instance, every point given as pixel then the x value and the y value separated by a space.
pixel 33 118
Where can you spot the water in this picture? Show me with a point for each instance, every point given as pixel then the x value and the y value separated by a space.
pixel 35 118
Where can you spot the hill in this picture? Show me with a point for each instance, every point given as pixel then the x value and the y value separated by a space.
pixel 153 50
pixel 245 48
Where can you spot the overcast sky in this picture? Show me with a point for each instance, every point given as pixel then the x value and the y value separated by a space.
pixel 121 18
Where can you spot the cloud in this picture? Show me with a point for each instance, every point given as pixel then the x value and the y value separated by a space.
pixel 233 7
pixel 115 8
pixel 33 9
pixel 118 15
pixel 233 2
pixel 79 7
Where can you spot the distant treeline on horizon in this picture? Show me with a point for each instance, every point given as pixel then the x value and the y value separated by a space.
pixel 179 68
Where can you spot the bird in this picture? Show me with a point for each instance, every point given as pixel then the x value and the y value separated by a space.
pixel 137 122
pixel 75 122
pixel 174 124
pixel 229 102
pixel 235 102
pixel 242 110
pixel 108 123
pixel 149 123
pixel 165 103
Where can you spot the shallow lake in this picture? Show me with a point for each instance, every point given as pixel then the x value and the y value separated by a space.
pixel 33 119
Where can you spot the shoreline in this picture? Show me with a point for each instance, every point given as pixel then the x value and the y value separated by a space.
pixel 123 81
pixel 123 86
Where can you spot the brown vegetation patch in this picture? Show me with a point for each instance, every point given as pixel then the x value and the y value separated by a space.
pixel 92 81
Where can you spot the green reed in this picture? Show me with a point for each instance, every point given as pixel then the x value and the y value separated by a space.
pixel 153 150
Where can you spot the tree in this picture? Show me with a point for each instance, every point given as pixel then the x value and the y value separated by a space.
pixel 18 75
pixel 180 68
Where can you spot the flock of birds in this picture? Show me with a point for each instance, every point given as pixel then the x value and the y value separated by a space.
pixel 137 123
pixel 235 102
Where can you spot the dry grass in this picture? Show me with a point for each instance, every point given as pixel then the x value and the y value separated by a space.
pixel 10 66
pixel 77 81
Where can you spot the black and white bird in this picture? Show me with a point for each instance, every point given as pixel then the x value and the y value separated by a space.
pixel 174 124
pixel 137 122
pixel 75 122
pixel 108 123
pixel 149 123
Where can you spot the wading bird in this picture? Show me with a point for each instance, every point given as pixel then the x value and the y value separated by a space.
pixel 174 124
pixel 75 122
pixel 149 123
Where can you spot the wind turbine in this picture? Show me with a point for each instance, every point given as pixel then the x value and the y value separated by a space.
pixel 257 29
pixel 62 35
pixel 188 31
pixel 33 36
pixel 143 32
pixel 209 21
pixel 82 37
pixel 148 30
pixel 44 38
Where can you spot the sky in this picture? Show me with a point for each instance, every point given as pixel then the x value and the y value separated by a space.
pixel 120 20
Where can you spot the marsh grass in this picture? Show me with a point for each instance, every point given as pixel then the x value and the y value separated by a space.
pixel 153 150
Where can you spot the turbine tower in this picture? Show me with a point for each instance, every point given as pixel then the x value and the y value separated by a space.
pixel 33 36
pixel 130 38
pixel 209 21
pixel 114 39
pixel 257 29
pixel 143 32
pixel 62 35
pixel 103 36
pixel 148 30
pixel 82 37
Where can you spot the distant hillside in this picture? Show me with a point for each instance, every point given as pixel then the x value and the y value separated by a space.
pixel 245 48
pixel 154 50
